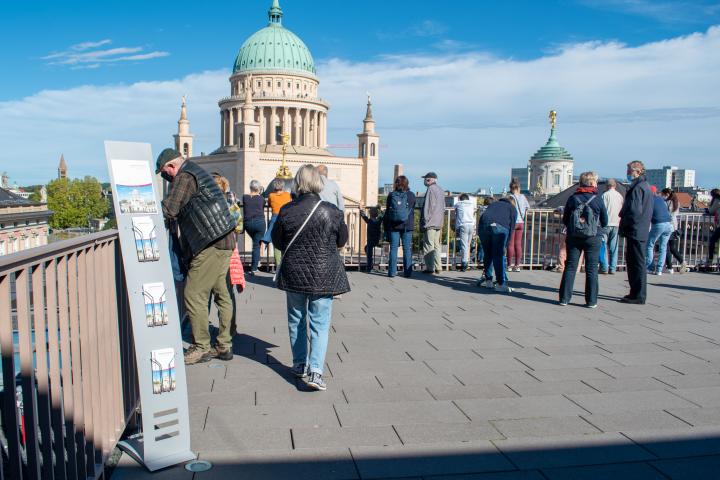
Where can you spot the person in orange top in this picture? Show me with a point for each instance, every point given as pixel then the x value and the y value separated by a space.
pixel 276 199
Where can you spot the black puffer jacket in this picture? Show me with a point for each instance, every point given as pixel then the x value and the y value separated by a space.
pixel 312 264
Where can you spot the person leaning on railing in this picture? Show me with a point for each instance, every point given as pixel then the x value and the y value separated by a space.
pixel 254 221
pixel 277 199
pixel 515 244
pixel 494 231
pixel 673 250
pixel 400 203
pixel 714 210
pixel 200 209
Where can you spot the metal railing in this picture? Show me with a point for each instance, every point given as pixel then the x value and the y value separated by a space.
pixel 543 241
pixel 69 385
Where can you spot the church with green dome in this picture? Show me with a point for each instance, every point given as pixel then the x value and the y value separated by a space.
pixel 275 113
pixel 550 169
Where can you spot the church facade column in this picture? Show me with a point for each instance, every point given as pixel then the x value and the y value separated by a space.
pixel 261 121
pixel 305 127
pixel 222 128
pixel 273 124
pixel 231 129
pixel 298 127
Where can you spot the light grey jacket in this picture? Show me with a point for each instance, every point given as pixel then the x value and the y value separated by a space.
pixel 433 211
pixel 331 193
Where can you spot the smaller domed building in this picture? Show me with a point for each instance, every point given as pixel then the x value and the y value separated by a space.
pixel 550 169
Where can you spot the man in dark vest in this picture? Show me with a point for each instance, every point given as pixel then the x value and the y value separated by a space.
pixel 635 217
pixel 198 207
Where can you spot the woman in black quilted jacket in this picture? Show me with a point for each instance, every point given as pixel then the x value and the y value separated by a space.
pixel 311 271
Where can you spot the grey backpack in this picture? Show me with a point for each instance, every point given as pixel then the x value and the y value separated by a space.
pixel 583 222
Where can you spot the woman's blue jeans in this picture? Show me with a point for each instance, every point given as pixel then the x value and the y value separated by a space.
pixel 395 239
pixel 316 310
pixel 494 240
pixel 267 238
pixel 255 227
pixel 659 233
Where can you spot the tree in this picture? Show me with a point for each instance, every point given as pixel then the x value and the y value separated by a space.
pixel 75 201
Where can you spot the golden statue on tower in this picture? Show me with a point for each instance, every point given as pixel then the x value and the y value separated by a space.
pixel 284 170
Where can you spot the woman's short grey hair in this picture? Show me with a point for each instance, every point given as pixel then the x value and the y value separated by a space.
pixel 277 185
pixel 255 186
pixel 588 179
pixel 307 180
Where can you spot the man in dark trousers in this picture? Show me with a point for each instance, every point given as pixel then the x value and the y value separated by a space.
pixel 201 212
pixel 635 217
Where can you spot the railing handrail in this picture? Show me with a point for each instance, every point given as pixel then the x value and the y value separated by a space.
pixel 22 258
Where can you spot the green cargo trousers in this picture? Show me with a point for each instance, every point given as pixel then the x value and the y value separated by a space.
pixel 208 273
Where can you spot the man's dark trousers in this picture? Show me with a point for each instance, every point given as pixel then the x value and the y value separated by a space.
pixel 636 268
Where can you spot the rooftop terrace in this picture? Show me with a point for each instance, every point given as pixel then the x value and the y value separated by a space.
pixel 433 377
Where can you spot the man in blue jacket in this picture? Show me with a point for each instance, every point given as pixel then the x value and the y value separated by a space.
pixel 635 218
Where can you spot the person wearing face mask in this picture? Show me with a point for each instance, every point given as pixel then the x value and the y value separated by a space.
pixel 635 218
pixel 200 210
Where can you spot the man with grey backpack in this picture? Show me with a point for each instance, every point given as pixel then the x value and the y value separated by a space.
pixel 585 218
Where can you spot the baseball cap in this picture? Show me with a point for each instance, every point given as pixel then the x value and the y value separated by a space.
pixel 167 155
pixel 430 175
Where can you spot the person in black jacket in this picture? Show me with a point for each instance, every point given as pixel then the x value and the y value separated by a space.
pixel 374 228
pixel 311 271
pixel 494 229
pixel 586 193
pixel 635 218
pixel 398 232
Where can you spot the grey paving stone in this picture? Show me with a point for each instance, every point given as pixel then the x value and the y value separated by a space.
pixel 524 475
pixel 486 390
pixel 616 471
pixel 694 368
pixel 653 358
pixel 544 427
pixel 698 417
pixel 566 361
pixel 272 416
pixel 557 375
pixel 428 380
pixel 690 468
pixel 447 432
pixel 526 389
pixel 692 381
pixel 426 460
pixel 599 403
pixel 398 413
pixel 637 420
pixel 529 453
pixel 679 443
pixel 329 437
pixel 607 385
pixel 390 394
pixel 515 408
pixel 219 436
pixel 331 464
pixel 635 371
pixel 706 397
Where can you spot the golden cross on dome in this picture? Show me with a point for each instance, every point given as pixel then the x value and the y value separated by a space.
pixel 553 118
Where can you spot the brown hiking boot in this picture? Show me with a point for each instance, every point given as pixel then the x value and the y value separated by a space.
pixel 195 355
pixel 222 353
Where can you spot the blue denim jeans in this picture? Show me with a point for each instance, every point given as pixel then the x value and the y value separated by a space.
pixel 494 240
pixel 609 250
pixel 464 235
pixel 255 227
pixel 659 232
pixel 267 238
pixel 317 311
pixel 395 239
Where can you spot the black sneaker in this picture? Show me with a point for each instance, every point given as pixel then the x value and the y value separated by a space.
pixel 299 370
pixel 316 382
pixel 223 353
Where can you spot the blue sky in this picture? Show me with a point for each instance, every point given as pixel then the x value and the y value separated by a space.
pixel 477 79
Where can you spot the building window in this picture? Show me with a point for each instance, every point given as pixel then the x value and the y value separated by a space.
pixel 372 149
pixel 186 150
pixel 279 84
pixel 259 84
pixel 556 179
pixel 363 149
pixel 2 247
pixel 241 140
pixel 251 140
pixel 269 84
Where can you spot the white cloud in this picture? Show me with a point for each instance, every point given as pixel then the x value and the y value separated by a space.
pixel 86 55
pixel 665 11
pixel 471 117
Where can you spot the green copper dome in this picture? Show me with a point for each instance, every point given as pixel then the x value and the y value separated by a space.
pixel 274 48
pixel 552 150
